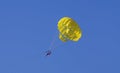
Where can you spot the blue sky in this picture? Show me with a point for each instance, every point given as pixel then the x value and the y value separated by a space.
pixel 27 28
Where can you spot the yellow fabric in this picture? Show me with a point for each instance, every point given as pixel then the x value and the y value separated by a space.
pixel 69 29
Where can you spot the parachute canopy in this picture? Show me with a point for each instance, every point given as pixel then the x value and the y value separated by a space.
pixel 69 29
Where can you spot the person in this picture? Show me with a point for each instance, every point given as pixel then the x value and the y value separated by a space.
pixel 48 53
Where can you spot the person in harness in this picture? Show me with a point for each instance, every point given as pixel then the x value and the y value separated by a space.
pixel 48 53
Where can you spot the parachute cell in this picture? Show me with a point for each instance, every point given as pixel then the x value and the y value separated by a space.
pixel 69 29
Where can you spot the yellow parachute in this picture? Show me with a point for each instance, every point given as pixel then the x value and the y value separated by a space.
pixel 69 29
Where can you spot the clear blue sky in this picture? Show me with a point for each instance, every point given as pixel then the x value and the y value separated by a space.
pixel 27 28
